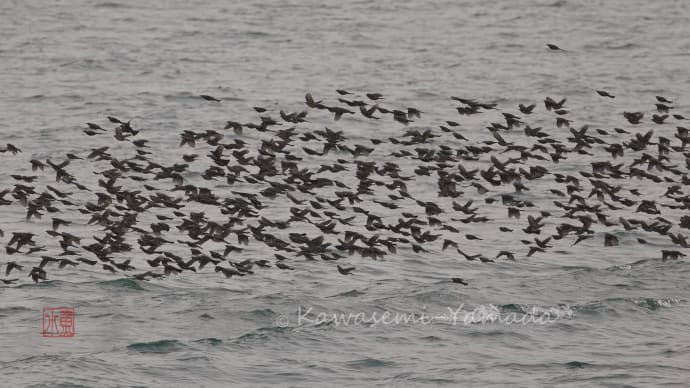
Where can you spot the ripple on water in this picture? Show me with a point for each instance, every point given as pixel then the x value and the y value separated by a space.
pixel 123 283
pixel 369 362
pixel 46 284
pixel 431 338
pixel 209 341
pixel 512 308
pixel 262 313
pixel 653 304
pixel 261 335
pixel 577 364
pixel 161 346
pixel 110 4
pixel 351 293
pixel 615 306
pixel 6 311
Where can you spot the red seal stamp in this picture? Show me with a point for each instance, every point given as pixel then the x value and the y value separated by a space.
pixel 58 322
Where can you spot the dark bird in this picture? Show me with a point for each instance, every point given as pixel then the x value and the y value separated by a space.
pixel 339 112
pixel 342 198
pixel 283 266
pixel 659 119
pixel 209 98
pixel 554 47
pixel 228 272
pixel 459 281
pixel 633 117
pixel 610 240
pixel 38 273
pixel 447 243
pixel 509 255
pixel 37 165
pixel 527 109
pixel 58 221
pixel 263 263
pixel 12 265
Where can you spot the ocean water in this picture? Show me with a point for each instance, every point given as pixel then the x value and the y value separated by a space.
pixel 572 316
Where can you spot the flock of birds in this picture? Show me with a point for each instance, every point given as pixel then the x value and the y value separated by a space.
pixel 342 198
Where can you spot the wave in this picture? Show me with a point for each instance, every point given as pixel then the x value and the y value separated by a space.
pixel 125 283
pixel 161 346
pixel 616 305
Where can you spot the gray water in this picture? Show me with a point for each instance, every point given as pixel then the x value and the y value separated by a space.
pixel 619 314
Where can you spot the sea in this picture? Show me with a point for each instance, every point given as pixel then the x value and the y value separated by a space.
pixel 580 315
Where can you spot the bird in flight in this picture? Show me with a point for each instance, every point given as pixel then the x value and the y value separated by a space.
pixel 209 98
